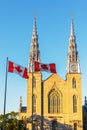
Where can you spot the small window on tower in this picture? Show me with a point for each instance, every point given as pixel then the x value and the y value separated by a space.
pixel 34 82
pixel 73 83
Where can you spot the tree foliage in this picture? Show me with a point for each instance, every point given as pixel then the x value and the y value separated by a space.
pixel 12 122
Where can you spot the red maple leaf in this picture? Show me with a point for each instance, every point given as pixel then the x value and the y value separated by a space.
pixel 18 68
pixel 44 66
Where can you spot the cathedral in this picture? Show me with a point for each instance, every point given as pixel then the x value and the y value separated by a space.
pixel 53 103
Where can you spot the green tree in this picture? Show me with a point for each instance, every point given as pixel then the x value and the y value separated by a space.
pixel 12 122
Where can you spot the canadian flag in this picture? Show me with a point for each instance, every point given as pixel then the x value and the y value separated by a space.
pixel 44 67
pixel 14 68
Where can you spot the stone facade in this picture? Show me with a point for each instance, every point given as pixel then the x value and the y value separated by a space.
pixel 57 103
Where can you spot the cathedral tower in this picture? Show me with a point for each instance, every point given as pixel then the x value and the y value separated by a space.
pixel 73 61
pixel 74 83
pixel 34 82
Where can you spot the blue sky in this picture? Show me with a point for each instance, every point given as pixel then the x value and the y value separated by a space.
pixel 53 27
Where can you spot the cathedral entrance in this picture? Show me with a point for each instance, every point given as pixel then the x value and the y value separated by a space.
pixel 54 125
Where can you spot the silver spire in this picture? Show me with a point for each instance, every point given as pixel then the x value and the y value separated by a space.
pixel 72 53
pixel 34 51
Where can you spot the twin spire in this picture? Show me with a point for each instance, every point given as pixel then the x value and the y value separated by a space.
pixel 73 65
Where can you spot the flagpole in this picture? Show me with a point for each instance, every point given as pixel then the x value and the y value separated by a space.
pixel 5 95
pixel 32 91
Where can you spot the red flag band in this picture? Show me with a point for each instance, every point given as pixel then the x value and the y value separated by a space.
pixel 36 66
pixel 14 68
pixel 44 67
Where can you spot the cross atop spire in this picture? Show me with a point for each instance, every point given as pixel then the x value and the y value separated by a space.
pixel 34 14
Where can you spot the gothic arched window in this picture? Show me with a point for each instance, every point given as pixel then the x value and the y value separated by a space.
pixel 34 103
pixel 53 102
pixel 73 82
pixel 74 104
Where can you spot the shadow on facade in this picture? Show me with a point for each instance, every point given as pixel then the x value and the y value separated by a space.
pixel 41 123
